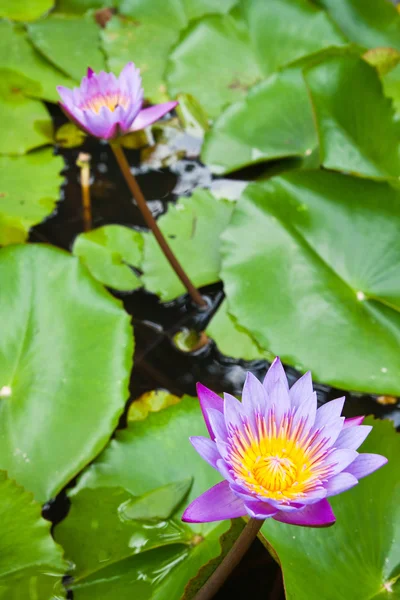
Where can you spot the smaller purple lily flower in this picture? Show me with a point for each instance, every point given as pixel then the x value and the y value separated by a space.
pixel 280 456
pixel 107 106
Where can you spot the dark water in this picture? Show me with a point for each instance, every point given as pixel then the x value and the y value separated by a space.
pixel 158 363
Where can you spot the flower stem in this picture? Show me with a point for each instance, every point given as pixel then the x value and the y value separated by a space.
pixel 83 163
pixel 231 560
pixel 152 224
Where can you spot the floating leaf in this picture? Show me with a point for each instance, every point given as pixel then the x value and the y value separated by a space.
pixel 17 54
pixel 24 10
pixel 31 564
pixel 71 43
pixel 65 359
pixel 355 121
pixel 214 61
pixel 29 190
pixel 370 23
pixel 383 59
pixel 357 558
pixel 192 227
pixel 283 31
pixel 24 122
pixel 109 252
pixel 274 121
pixel 69 136
pixel 231 339
pixel 149 454
pixel 151 402
pixel 81 6
pixel 159 504
pixel 192 116
pixel 310 268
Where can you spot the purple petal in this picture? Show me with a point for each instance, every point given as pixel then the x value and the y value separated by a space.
pixel 217 424
pixel 329 412
pixel 259 510
pixel 233 411
pixel 338 460
pixel 90 73
pixel 224 470
pixel 147 116
pixel 207 449
pixel 101 124
pixel 279 397
pixel 306 411
pixel 352 437
pixel 209 399
pixel 340 483
pixel 216 504
pixel 319 514
pixel 313 496
pixel 275 373
pixel 330 432
pixel 254 397
pixel 301 390
pixel 365 464
pixel 353 421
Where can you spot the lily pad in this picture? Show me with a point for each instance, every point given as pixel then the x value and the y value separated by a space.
pixel 355 121
pixel 71 43
pixel 24 122
pixel 274 121
pixel 159 449
pixel 31 564
pixel 65 360
pixel 109 252
pixel 283 31
pixel 371 23
pixel 192 227
pixel 214 61
pixel 357 558
pixel 29 190
pixel 310 268
pixel 25 10
pixel 17 54
pixel 231 339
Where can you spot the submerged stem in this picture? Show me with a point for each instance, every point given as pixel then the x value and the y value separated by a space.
pixel 83 163
pixel 152 224
pixel 231 560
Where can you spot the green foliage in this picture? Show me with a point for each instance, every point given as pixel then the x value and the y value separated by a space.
pixel 357 558
pixel 29 192
pixel 116 555
pixel 310 268
pixel 109 252
pixel 354 120
pixel 65 360
pixel 71 43
pixel 31 564
pixel 25 10
pixel 192 227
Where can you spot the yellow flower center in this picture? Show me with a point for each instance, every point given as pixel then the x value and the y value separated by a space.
pixel 283 463
pixel 112 101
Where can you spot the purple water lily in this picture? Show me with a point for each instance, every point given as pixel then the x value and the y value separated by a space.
pixel 280 457
pixel 107 106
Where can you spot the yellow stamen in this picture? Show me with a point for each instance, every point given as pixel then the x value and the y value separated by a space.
pixel 96 103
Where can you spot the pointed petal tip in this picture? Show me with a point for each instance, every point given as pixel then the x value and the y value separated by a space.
pixel 90 72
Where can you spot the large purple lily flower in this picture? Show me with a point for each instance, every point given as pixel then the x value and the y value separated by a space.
pixel 280 457
pixel 107 106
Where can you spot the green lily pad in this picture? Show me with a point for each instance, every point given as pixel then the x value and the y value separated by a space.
pixel 24 122
pixel 25 10
pixel 371 23
pixel 159 449
pixel 192 227
pixel 214 61
pixel 17 54
pixel 310 268
pixel 357 558
pixel 31 564
pixel 274 121
pixel 71 43
pixel 109 252
pixel 80 7
pixel 65 360
pixel 355 121
pixel 231 339
pixel 159 504
pixel 69 136
pixel 283 31
pixel 151 402
pixel 29 190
